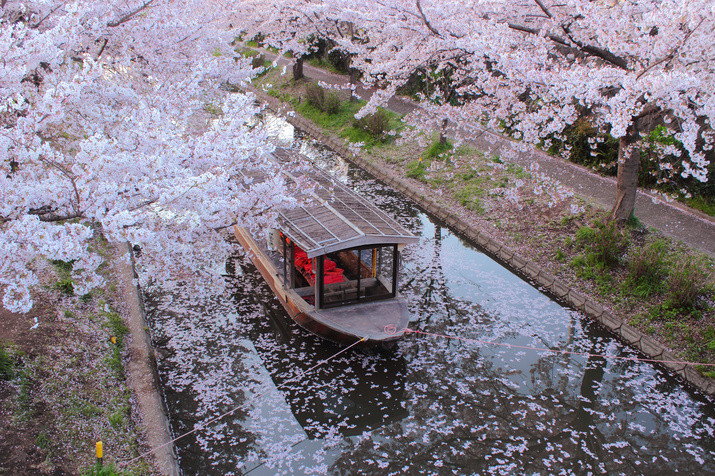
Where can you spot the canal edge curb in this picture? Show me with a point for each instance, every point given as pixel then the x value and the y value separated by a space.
pixel 524 267
pixel 142 371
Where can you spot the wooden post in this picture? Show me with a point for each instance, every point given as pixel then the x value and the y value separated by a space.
pixel 319 281
pixel 100 454
pixel 395 262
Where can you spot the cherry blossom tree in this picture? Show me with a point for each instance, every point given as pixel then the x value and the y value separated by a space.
pixel 285 25
pixel 114 120
pixel 535 67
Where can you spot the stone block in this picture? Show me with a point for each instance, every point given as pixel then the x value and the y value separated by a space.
pixel 559 289
pixel 671 362
pixel 710 387
pixel 493 247
pixel 577 300
pixel 694 377
pixel 506 254
pixel 651 347
pixel 592 308
pixel 545 279
pixel 610 322
pixel 630 335
pixel 517 261
pixel 532 270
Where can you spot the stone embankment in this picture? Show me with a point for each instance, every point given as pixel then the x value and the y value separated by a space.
pixel 142 372
pixel 522 266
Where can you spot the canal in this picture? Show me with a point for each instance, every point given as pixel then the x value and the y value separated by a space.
pixel 464 404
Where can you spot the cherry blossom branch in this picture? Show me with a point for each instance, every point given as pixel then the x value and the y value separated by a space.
pixel 544 8
pixel 56 218
pixel 670 56
pixel 594 50
pixel 69 177
pixel 101 50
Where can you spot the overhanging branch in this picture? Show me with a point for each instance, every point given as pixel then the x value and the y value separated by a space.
pixel 584 48
pixel 128 16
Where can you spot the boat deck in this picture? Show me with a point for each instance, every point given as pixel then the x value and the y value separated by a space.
pixel 378 320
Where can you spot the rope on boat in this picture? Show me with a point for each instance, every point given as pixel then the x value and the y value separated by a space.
pixel 555 351
pixel 219 417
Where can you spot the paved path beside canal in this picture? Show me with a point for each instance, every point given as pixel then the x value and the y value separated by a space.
pixel 673 219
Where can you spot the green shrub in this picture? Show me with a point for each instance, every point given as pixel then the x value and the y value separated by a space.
pixel 604 241
pixel 66 286
pixel 327 103
pixel 315 96
pixel 332 104
pixel 7 363
pixel 258 62
pixel 438 148
pixel 416 170
pixel 647 270
pixel 689 280
pixel 376 124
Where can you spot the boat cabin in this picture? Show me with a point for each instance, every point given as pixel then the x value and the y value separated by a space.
pixel 338 252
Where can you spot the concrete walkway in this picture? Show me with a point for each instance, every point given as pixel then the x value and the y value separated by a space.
pixel 673 219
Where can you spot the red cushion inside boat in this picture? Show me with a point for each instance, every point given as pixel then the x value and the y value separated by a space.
pixel 331 278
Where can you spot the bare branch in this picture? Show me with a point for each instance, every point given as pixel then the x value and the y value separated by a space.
pixel 37 25
pixel 543 8
pixel 429 26
pixel 129 15
pixel 587 49
pixel 101 50
pixel 51 218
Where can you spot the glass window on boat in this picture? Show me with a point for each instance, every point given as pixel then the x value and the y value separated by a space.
pixel 360 274
pixel 299 270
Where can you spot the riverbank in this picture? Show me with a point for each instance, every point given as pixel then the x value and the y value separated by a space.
pixel 69 365
pixel 550 238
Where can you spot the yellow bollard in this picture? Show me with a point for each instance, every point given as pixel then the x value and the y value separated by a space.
pixel 100 451
pixel 113 339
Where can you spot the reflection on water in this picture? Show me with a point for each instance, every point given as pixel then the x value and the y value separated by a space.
pixel 434 405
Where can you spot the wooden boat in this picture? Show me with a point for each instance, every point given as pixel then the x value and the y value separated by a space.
pixel 334 264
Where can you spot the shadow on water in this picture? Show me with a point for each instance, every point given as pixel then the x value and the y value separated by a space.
pixel 434 406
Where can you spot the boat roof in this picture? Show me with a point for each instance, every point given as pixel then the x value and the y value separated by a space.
pixel 337 218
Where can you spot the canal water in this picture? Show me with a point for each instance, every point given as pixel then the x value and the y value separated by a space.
pixel 432 405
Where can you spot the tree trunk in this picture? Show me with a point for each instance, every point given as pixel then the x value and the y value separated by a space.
pixel 443 132
pixel 629 161
pixel 353 80
pixel 298 68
